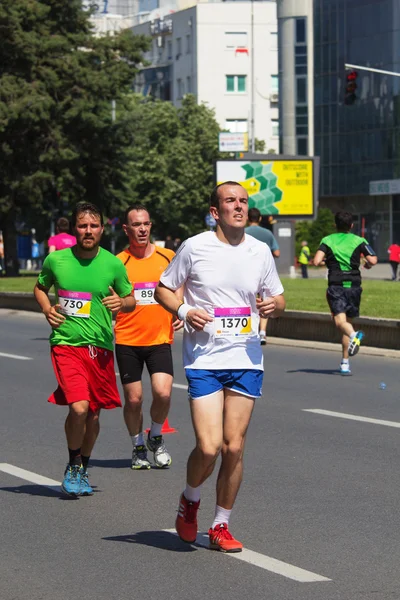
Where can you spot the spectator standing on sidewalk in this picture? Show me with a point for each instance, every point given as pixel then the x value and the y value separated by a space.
pixel 304 258
pixel 394 259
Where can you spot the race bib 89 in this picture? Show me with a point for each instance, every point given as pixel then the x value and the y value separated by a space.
pixel 144 292
pixel 232 322
pixel 75 304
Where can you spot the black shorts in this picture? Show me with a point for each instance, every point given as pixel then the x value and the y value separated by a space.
pixel 344 300
pixel 131 360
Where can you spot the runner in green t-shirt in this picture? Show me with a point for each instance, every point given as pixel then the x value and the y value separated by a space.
pixel 90 284
pixel 342 253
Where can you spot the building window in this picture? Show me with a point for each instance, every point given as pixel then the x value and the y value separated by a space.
pixel 301 90
pixel 236 83
pixel 275 128
pixel 188 44
pixel 235 39
pixel 302 146
pixel 274 84
pixel 236 125
pixel 188 85
pixel 301 31
pixel 178 47
pixel 179 83
pixel 169 49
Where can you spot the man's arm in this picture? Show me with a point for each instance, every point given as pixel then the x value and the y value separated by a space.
pixel 276 253
pixel 319 258
pixel 52 249
pixel 115 303
pixel 54 318
pixel 271 307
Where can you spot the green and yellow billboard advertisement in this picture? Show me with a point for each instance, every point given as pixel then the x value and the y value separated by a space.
pixel 278 186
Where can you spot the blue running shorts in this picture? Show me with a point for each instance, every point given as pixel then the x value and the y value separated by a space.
pixel 203 382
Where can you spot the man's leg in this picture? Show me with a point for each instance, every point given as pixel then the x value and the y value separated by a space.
pixel 91 435
pixel 347 330
pixel 133 416
pixel 263 331
pixel 161 386
pixel 75 426
pixel 207 419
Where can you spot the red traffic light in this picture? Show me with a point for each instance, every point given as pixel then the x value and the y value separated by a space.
pixel 351 86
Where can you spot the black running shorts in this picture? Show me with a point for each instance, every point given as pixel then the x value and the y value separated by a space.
pixel 131 359
pixel 344 300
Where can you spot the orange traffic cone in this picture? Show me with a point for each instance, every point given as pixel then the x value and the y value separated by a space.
pixel 166 428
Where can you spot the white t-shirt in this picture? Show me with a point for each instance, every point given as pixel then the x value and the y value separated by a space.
pixel 223 280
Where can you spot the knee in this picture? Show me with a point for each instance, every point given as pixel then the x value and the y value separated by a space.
pixel 79 410
pixel 133 401
pixel 162 398
pixel 233 450
pixel 209 451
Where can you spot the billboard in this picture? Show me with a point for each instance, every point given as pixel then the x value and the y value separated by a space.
pixel 284 186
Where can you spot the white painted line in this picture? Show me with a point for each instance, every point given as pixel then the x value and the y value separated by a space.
pixel 330 413
pixel 264 562
pixel 29 476
pixel 15 356
pixel 180 386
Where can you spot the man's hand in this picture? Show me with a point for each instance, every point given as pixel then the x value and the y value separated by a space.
pixel 266 307
pixel 177 324
pixel 198 318
pixel 54 318
pixel 114 303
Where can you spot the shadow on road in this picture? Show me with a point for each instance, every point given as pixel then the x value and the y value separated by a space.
pixel 316 371
pixel 115 463
pixel 37 490
pixel 156 539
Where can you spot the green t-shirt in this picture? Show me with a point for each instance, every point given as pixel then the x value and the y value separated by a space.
pixel 342 257
pixel 80 285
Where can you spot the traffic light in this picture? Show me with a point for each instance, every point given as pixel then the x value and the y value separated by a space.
pixel 351 86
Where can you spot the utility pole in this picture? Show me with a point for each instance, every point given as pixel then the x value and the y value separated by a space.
pixel 361 68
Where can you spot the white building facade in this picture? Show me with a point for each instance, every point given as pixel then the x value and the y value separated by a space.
pixel 226 54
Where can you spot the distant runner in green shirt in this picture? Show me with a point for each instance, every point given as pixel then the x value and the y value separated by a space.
pixel 342 253
pixel 90 284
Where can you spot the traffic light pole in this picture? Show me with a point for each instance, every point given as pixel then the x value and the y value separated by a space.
pixel 360 68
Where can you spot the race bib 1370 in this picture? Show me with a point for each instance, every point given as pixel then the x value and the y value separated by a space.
pixel 232 322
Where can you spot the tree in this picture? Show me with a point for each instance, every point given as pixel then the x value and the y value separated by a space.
pixel 57 81
pixel 314 231
pixel 172 162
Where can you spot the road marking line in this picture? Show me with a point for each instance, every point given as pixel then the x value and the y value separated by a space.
pixel 15 356
pixel 264 562
pixel 180 386
pixel 330 413
pixel 29 476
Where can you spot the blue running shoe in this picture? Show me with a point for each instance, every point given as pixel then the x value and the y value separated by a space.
pixel 72 480
pixel 85 489
pixel 345 369
pixel 354 344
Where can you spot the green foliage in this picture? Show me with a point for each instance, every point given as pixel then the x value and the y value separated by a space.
pixel 57 81
pixel 314 231
pixel 172 163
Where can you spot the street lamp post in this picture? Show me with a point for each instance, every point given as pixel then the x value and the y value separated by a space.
pixel 252 117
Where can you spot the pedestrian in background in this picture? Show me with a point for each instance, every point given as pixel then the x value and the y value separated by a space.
pixel 394 259
pixel 63 239
pixel 304 258
pixel 1 252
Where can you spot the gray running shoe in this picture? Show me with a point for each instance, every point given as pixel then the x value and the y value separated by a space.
pixel 162 458
pixel 139 458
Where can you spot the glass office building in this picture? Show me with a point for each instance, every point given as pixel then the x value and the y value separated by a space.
pixel 356 113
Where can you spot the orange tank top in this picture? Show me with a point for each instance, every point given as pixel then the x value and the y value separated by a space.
pixel 149 324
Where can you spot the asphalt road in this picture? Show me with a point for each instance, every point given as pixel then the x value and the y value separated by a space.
pixel 317 511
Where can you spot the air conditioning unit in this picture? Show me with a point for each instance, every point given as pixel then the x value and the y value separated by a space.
pixel 274 98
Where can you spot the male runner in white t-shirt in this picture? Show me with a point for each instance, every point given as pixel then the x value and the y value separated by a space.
pixel 222 273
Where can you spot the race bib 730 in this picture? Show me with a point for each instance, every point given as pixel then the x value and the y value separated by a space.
pixel 75 304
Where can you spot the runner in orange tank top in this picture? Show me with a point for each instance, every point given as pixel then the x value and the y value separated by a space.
pixel 145 339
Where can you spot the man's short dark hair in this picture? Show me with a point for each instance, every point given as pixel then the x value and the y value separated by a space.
pixel 136 206
pixel 343 220
pixel 214 196
pixel 62 225
pixel 86 207
pixel 254 215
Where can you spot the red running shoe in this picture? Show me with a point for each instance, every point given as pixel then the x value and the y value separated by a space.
pixel 186 521
pixel 221 539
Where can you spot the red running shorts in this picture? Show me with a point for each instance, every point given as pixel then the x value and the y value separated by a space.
pixel 85 373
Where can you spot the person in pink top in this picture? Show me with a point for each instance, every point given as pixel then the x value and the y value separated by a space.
pixel 394 259
pixel 63 239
